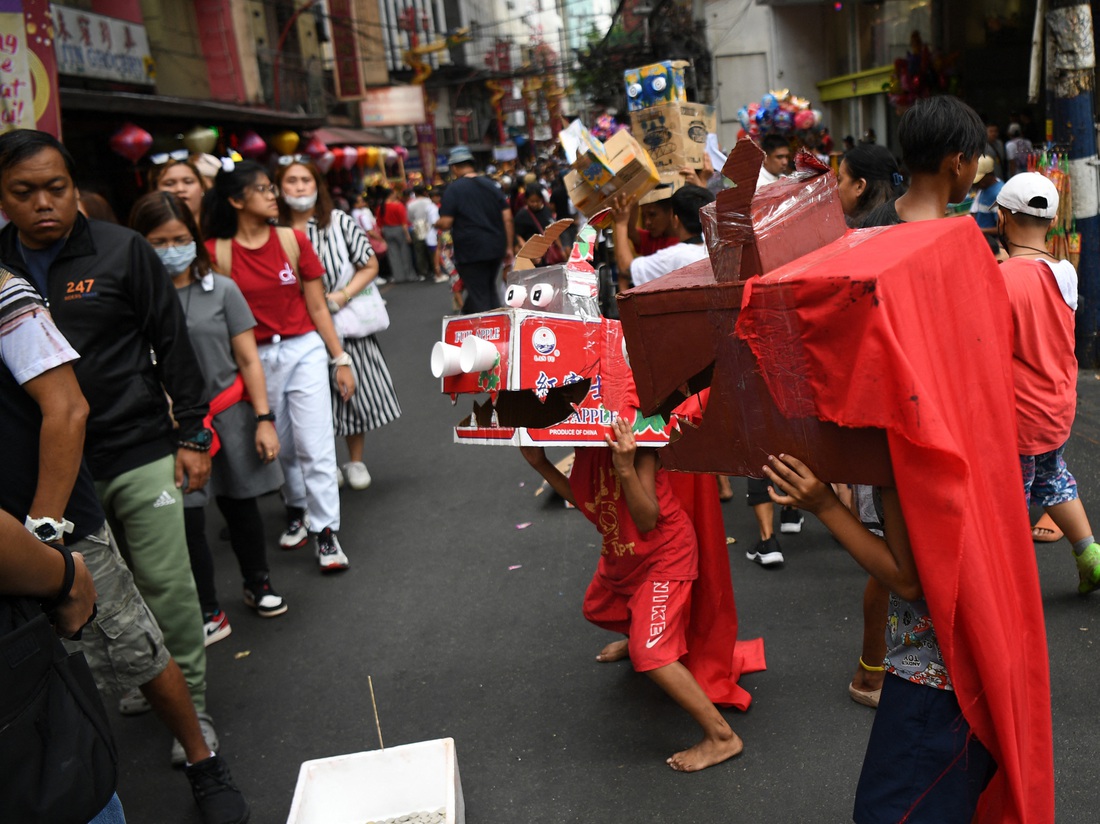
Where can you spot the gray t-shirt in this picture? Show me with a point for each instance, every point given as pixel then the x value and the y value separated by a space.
pixel 216 312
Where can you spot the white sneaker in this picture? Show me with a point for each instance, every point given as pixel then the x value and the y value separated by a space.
pixel 296 533
pixel 357 475
pixel 330 555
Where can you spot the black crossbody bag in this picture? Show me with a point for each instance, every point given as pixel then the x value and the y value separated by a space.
pixel 58 761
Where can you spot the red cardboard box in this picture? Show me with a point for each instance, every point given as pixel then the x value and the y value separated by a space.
pixel 679 332
pixel 751 232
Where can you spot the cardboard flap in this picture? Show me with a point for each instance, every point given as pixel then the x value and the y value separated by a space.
pixel 743 168
pixel 536 245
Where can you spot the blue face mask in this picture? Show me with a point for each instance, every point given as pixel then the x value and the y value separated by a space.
pixel 177 259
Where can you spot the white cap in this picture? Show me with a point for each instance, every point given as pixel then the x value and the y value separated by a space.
pixel 985 166
pixel 1029 193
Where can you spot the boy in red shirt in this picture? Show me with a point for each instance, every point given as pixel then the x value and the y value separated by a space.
pixel 1043 294
pixel 643 583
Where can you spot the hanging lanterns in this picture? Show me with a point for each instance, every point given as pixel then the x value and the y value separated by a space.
pixel 201 140
pixel 251 145
pixel 132 142
pixel 285 142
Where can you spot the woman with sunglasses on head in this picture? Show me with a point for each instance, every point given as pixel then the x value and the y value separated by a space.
pixel 220 325
pixel 181 177
pixel 280 276
pixel 350 266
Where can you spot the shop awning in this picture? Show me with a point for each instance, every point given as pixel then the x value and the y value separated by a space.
pixel 871 81
pixel 183 108
pixel 343 136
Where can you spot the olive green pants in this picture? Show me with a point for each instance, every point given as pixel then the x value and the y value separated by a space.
pixel 145 511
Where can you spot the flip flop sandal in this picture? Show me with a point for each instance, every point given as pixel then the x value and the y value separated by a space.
pixel 866 699
pixel 1046 531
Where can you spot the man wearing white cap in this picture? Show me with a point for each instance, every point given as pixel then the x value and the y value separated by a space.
pixel 1043 294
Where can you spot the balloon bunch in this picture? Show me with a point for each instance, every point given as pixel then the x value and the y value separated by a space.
pixel 921 73
pixel 606 126
pixel 778 112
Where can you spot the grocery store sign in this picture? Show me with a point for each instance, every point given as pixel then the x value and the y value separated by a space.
pixel 105 48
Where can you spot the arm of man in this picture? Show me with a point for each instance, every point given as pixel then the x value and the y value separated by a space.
pixel 61 439
pixel 536 456
pixel 33 569
pixel 509 235
pixel 637 471
pixel 621 210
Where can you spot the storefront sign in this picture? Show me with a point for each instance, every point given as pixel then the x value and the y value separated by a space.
pixel 106 48
pixel 28 74
pixel 345 51
pixel 393 106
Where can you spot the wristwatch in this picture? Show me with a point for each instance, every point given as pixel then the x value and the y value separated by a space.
pixel 343 359
pixel 199 442
pixel 266 416
pixel 47 530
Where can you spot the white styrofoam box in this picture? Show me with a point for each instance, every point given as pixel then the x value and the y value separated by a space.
pixel 380 784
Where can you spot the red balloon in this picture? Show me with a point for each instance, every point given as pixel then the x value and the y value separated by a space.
pixel 251 145
pixel 132 142
pixel 316 148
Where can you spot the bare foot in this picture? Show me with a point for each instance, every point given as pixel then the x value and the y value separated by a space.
pixel 707 753
pixel 615 651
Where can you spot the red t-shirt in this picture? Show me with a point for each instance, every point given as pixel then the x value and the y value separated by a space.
pixel 268 283
pixel 1044 367
pixel 668 552
pixel 648 243
pixel 393 213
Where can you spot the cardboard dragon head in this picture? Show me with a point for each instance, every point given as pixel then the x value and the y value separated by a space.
pixel 554 372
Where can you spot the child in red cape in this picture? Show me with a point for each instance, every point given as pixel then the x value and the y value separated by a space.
pixel 643 585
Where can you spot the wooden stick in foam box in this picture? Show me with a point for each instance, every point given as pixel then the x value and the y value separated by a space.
pixel 553 370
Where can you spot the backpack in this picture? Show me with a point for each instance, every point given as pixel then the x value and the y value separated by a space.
pixel 223 251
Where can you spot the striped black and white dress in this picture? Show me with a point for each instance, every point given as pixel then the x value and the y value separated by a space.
pixel 343 248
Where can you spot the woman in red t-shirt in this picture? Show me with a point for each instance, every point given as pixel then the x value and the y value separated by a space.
pixel 393 219
pixel 280 277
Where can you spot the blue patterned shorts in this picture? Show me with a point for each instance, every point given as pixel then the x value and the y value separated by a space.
pixel 1047 477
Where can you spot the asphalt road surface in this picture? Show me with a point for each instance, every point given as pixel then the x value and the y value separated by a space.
pixel 470 627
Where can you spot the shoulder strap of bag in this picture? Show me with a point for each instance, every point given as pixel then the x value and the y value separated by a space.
pixel 223 255
pixel 290 245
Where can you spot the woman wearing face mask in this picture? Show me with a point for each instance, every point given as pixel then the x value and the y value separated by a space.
pixel 349 267
pixel 280 276
pixel 180 177
pixel 220 325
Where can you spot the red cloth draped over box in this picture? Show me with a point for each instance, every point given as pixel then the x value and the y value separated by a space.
pixel 908 329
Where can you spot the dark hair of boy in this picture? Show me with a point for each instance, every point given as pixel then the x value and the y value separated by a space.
pixel 534 190
pixel 22 144
pixel 686 203
pixel 935 127
pixel 771 142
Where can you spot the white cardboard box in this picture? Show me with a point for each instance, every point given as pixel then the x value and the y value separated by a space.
pixel 380 784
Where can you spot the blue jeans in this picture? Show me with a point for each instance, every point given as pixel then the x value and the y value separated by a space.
pixel 111 814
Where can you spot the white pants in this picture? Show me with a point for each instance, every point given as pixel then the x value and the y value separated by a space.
pixel 297 374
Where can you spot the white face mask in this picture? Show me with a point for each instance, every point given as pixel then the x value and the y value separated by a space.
pixel 300 204
pixel 177 259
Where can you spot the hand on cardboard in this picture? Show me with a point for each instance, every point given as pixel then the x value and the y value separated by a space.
pixel 793 484
pixel 621 206
pixel 691 177
pixel 622 445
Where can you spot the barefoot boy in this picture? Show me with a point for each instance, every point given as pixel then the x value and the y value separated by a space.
pixel 922 763
pixel 1043 294
pixel 643 582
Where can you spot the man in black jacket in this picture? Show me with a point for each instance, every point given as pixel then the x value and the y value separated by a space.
pixel 113 300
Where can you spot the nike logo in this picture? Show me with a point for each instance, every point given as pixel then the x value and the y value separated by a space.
pixel 652 642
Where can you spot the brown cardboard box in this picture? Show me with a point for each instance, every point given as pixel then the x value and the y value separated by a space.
pixel 633 174
pixel 670 182
pixel 674 134
pixel 769 227
pixel 679 332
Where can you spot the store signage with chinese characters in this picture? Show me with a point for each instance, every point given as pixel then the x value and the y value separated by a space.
pixel 106 48
pixel 393 106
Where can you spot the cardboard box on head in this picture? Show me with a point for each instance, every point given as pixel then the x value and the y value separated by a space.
pixel 752 231
pixel 674 134
pixel 603 170
pixel 554 370
pixel 655 84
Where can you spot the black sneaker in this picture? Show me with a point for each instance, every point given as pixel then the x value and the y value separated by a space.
pixel 218 798
pixel 766 553
pixel 297 529
pixel 330 555
pixel 790 520
pixel 264 599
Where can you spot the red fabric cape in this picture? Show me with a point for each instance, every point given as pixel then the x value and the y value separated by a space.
pixel 715 655
pixel 908 329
